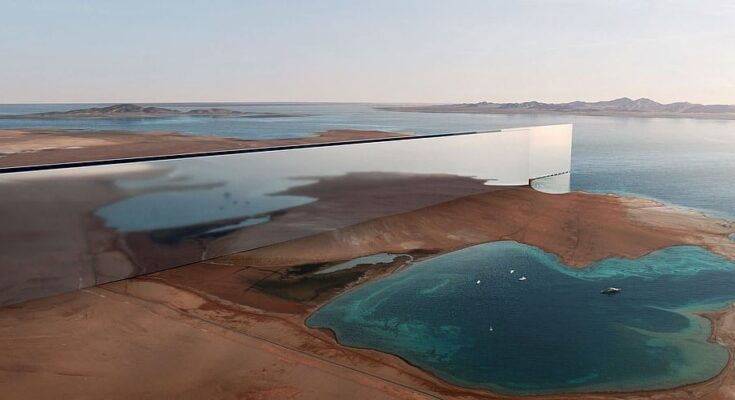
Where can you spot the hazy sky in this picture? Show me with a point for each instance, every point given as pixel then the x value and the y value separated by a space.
pixel 367 50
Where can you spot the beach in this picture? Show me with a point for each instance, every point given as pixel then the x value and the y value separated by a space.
pixel 234 326
pixel 367 200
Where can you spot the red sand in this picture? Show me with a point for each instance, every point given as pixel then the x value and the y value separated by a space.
pixel 232 328
pixel 46 146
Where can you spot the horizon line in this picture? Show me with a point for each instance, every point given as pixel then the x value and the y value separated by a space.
pixel 307 102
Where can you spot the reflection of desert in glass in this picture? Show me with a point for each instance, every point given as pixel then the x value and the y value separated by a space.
pixel 254 252
pixel 147 216
pixel 413 199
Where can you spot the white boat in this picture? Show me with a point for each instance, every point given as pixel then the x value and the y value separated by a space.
pixel 478 282
pixel 523 278
pixel 611 290
pixel 512 271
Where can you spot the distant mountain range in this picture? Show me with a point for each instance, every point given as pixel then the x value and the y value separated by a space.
pixel 623 106
pixel 137 111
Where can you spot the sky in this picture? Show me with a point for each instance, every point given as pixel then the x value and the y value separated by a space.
pixel 401 51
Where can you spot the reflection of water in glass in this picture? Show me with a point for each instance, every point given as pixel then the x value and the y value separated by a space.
pixel 685 162
pixel 681 161
pixel 552 332
pixel 371 259
pixel 207 189
pixel 555 184
pixel 198 191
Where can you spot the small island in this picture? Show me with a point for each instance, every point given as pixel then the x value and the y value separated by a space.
pixel 138 111
pixel 622 107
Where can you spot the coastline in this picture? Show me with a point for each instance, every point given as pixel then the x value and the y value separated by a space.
pixel 716 317
pixel 623 114
pixel 713 317
pixel 521 214
pixel 25 147
pixel 267 294
pixel 81 228
pixel 398 378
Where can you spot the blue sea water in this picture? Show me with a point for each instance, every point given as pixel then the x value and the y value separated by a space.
pixel 685 162
pixel 553 332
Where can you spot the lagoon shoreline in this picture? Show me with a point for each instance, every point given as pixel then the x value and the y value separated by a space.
pixel 255 304
pixel 263 297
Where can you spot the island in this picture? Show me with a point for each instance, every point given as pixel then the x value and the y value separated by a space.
pixel 137 111
pixel 623 107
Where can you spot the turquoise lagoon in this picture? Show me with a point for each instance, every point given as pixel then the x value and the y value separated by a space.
pixel 553 332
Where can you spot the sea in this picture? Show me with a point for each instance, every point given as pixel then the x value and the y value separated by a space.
pixel 552 332
pixel 685 162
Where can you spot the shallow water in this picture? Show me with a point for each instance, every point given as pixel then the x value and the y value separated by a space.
pixel 553 332
pixel 685 162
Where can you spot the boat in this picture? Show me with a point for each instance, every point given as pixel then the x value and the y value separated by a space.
pixel 610 291
pixel 523 278
pixel 512 271
pixel 478 282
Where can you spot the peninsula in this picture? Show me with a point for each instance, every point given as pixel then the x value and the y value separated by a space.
pixel 624 107
pixel 240 318
pixel 24 147
pixel 236 320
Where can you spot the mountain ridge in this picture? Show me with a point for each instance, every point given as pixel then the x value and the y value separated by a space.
pixel 624 106
pixel 642 104
pixel 130 110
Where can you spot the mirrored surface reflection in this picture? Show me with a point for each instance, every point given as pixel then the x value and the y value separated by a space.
pixel 76 227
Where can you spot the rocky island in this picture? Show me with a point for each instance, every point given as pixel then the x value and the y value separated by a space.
pixel 138 111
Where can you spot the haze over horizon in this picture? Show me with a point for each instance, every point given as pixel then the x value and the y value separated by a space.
pixel 328 51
